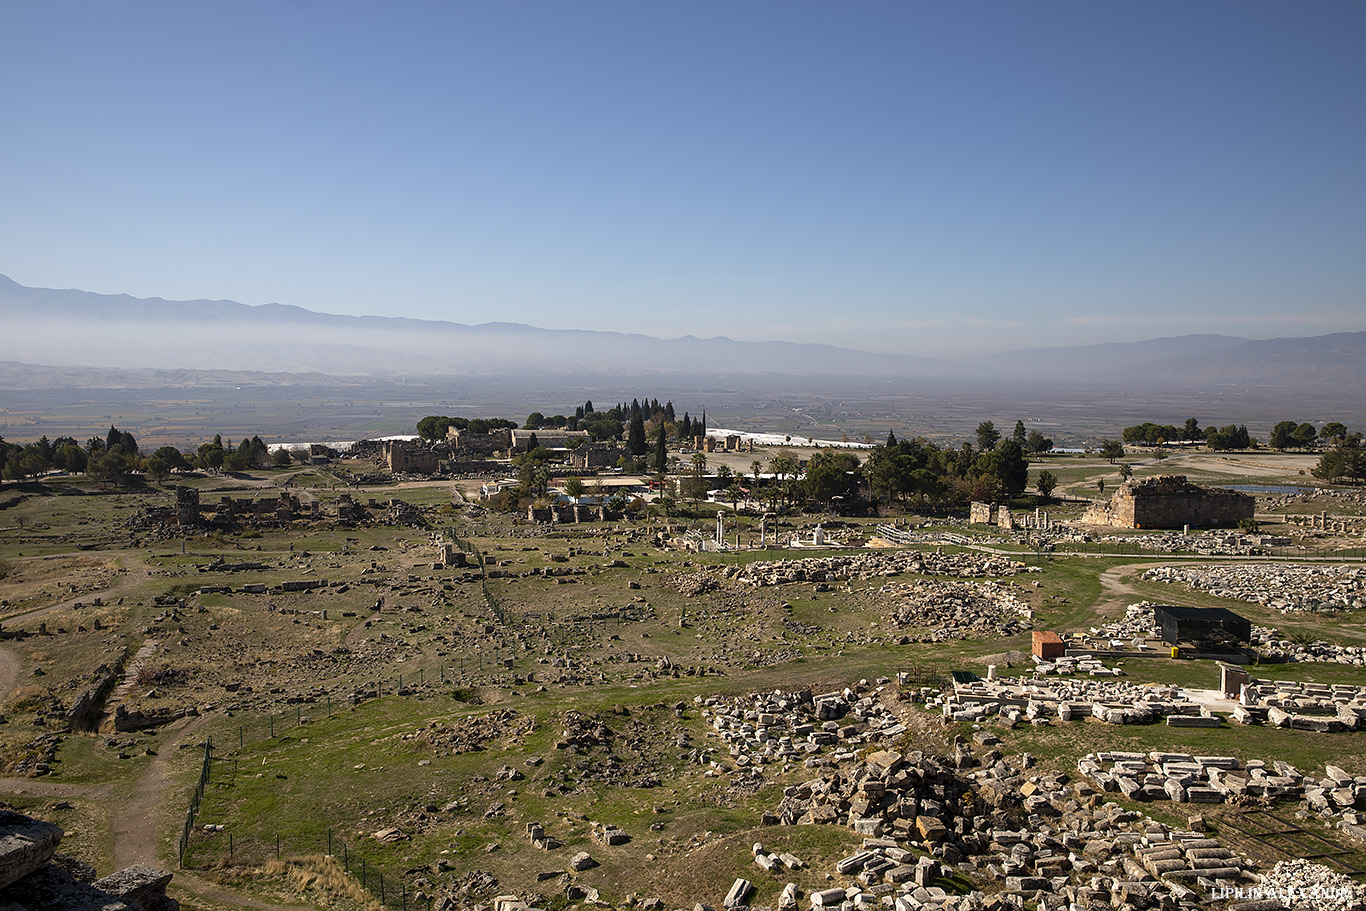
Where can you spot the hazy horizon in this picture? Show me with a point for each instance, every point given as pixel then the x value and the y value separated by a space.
pixel 916 179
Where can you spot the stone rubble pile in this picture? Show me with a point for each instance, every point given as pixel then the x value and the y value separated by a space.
pixel 1287 587
pixel 1346 498
pixel 693 584
pixel 1183 778
pixel 1049 842
pixel 1272 647
pixel 1317 707
pixel 873 564
pixel 1076 664
pixel 471 735
pixel 799 726
pixel 957 610
pixel 1065 699
pixel 1138 624
pixel 1301 885
pixel 1208 543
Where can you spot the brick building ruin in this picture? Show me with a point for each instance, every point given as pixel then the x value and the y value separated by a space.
pixel 1170 501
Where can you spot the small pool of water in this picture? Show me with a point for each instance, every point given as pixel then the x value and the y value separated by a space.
pixel 1252 488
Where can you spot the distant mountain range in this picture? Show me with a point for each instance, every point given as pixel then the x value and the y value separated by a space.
pixel 81 329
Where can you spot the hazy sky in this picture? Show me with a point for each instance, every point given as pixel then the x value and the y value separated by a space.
pixel 895 176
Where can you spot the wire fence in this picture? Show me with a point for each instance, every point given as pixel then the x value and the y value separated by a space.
pixel 223 847
pixel 195 799
pixel 489 600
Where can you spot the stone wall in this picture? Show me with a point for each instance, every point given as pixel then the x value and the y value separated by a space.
pixel 1170 501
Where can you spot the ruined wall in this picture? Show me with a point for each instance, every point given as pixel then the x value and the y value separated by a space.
pixel 1170 501
pixel 482 443
pixel 596 455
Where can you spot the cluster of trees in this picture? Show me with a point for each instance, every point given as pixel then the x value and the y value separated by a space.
pixel 1290 435
pixel 112 456
pixel 629 420
pixel 1222 439
pixel 902 471
pixel 434 426
pixel 1031 441
pixel 1159 434
pixel 116 456
pixel 1345 463
pixel 634 423
pixel 1228 438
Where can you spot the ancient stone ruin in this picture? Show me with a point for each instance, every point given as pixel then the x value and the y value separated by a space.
pixel 1170 501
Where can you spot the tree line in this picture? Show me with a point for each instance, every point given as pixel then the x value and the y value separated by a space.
pixel 1219 439
pixel 634 423
pixel 116 456
pixel 1285 435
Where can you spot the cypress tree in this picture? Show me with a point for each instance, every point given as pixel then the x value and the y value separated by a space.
pixel 661 449
pixel 635 436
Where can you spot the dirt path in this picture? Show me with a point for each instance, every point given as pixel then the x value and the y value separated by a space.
pixel 188 882
pixel 134 822
pixel 136 839
pixel 10 666
pixel 1116 594
pixel 137 574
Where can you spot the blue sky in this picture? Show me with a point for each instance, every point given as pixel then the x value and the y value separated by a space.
pixel 894 176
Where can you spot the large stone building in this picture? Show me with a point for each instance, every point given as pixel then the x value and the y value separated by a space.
pixel 1170 501
pixel 405 456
